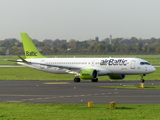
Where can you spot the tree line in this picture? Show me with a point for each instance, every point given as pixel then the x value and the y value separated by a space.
pixel 90 47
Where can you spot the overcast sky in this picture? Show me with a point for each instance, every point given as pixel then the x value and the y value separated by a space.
pixel 79 19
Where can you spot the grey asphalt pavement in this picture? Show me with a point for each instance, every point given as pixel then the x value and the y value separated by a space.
pixel 83 92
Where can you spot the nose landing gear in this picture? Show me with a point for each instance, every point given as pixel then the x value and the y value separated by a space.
pixel 142 80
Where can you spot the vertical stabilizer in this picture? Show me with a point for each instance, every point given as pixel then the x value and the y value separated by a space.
pixel 30 49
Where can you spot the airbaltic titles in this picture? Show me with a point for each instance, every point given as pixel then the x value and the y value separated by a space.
pixel 114 62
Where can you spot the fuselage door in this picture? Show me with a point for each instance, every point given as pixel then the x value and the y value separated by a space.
pixel 42 66
pixel 133 64
pixel 92 63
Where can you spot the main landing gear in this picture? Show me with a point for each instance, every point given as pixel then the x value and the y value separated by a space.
pixel 77 79
pixel 142 80
pixel 95 80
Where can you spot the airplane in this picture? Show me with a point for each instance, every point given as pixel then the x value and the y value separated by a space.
pixel 83 68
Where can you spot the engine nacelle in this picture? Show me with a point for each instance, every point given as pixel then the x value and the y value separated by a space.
pixel 88 74
pixel 117 76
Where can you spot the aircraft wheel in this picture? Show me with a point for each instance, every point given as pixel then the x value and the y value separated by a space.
pixel 95 80
pixel 142 80
pixel 76 79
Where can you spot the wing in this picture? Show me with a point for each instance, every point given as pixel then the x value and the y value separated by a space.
pixel 58 66
pixel 69 69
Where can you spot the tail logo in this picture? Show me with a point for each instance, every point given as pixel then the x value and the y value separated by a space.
pixel 32 53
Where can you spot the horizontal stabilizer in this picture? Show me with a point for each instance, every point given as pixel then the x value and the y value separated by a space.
pixel 12 60
pixel 21 60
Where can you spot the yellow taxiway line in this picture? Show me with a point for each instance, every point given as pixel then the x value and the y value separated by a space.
pixel 56 83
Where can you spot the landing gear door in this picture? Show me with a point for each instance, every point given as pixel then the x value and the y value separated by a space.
pixel 133 64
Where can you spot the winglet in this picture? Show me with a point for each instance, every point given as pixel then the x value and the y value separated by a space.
pixel 30 49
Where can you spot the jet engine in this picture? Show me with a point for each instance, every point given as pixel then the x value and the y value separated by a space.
pixel 88 74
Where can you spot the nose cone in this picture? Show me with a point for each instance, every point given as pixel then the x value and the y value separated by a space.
pixel 154 69
pixel 151 69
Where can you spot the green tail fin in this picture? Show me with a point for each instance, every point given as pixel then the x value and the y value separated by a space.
pixel 30 49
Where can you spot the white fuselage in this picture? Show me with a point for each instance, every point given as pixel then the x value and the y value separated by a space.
pixel 104 66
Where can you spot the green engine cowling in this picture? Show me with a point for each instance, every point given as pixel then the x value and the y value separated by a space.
pixel 88 74
pixel 117 76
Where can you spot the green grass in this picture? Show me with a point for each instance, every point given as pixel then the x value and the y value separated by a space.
pixel 25 73
pixel 4 62
pixel 133 87
pixel 31 111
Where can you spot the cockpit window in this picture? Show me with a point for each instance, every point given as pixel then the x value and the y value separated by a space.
pixel 145 63
pixel 142 63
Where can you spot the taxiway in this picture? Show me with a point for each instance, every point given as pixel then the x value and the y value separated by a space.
pixel 83 92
